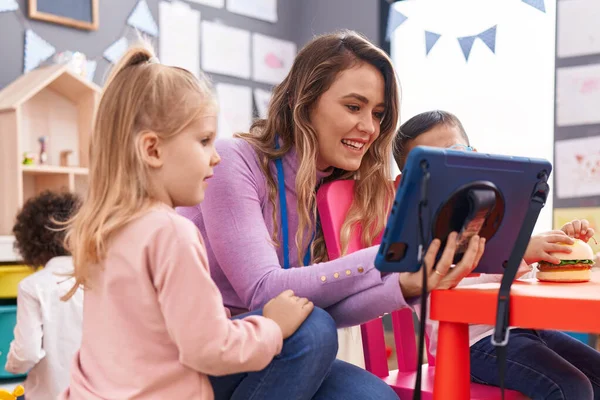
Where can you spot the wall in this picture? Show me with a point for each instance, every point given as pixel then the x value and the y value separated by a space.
pixel 113 17
pixel 298 21
pixel 505 100
pixel 321 16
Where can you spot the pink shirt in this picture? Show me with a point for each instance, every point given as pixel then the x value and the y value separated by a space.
pixel 154 325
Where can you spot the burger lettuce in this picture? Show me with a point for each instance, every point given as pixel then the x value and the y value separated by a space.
pixel 567 262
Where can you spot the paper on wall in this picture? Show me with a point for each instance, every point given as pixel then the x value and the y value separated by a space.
pixel 225 50
pixel 179 41
pixel 211 3
pixel 273 58
pixel 578 95
pixel 262 98
pixel 235 109
pixel 265 10
pixel 578 30
pixel 577 167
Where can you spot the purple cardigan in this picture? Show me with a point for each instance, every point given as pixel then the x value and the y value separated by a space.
pixel 236 222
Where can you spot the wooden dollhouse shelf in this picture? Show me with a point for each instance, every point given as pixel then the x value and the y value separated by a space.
pixel 53 169
pixel 59 105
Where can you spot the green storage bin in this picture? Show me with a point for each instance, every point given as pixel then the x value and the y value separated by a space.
pixel 8 320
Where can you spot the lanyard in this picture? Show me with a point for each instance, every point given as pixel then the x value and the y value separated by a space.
pixel 284 220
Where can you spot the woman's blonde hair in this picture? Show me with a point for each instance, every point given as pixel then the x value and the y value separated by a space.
pixel 140 95
pixel 314 70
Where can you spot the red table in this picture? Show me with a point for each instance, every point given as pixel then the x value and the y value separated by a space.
pixel 535 305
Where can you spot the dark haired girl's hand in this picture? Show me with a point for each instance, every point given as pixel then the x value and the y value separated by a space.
pixel 578 229
pixel 442 276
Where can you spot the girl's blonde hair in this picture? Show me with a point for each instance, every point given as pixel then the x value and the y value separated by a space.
pixel 140 95
pixel 314 70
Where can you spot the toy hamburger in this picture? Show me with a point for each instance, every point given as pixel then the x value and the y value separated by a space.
pixel 575 266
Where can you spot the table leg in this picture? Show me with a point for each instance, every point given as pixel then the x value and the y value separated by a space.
pixel 452 366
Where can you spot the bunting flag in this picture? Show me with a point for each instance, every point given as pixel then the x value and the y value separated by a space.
pixel 90 69
pixel 538 4
pixel 395 19
pixel 37 50
pixel 488 37
pixel 141 18
pixel 116 50
pixel 8 5
pixel 431 39
pixel 466 44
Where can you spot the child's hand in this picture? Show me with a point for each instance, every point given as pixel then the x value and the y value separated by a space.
pixel 549 242
pixel 288 311
pixel 524 269
pixel 578 229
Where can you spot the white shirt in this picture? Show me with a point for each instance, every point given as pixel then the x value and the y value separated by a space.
pixel 48 330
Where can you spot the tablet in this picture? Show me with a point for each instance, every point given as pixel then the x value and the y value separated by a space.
pixel 471 193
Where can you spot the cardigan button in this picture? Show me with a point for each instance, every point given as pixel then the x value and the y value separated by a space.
pixel 323 278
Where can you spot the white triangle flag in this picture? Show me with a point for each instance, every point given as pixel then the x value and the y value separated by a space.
pixel 90 69
pixel 37 50
pixel 8 5
pixel 141 18
pixel 116 50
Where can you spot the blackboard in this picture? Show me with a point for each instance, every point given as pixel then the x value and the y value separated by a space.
pixel 82 14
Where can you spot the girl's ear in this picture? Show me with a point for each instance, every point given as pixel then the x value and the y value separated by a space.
pixel 149 147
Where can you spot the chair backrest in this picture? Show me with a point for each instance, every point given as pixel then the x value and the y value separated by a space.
pixel 333 203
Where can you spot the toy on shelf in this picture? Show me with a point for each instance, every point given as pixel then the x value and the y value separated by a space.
pixel 28 158
pixel 64 157
pixel 18 392
pixel 43 154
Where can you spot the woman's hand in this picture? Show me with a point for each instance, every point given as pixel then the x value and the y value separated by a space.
pixel 442 276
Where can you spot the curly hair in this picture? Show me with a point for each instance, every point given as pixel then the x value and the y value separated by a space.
pixel 38 232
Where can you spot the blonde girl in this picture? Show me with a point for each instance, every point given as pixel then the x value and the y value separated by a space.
pixel 154 325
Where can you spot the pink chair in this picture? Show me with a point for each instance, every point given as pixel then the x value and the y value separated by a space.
pixel 333 202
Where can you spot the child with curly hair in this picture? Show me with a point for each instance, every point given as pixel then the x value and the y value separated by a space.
pixel 48 330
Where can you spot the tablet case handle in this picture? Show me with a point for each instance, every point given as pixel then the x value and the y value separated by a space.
pixel 500 336
pixel 423 203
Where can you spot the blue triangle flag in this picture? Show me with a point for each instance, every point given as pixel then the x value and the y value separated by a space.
pixel 37 50
pixel 141 18
pixel 116 50
pixel 466 44
pixel 395 19
pixel 539 4
pixel 431 39
pixel 489 38
pixel 8 5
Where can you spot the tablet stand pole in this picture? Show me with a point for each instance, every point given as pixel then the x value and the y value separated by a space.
pixel 501 332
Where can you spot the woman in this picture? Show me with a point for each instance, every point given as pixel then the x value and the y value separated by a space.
pixel 333 117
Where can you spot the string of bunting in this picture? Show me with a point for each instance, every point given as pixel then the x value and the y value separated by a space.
pixel 37 50
pixel 488 36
